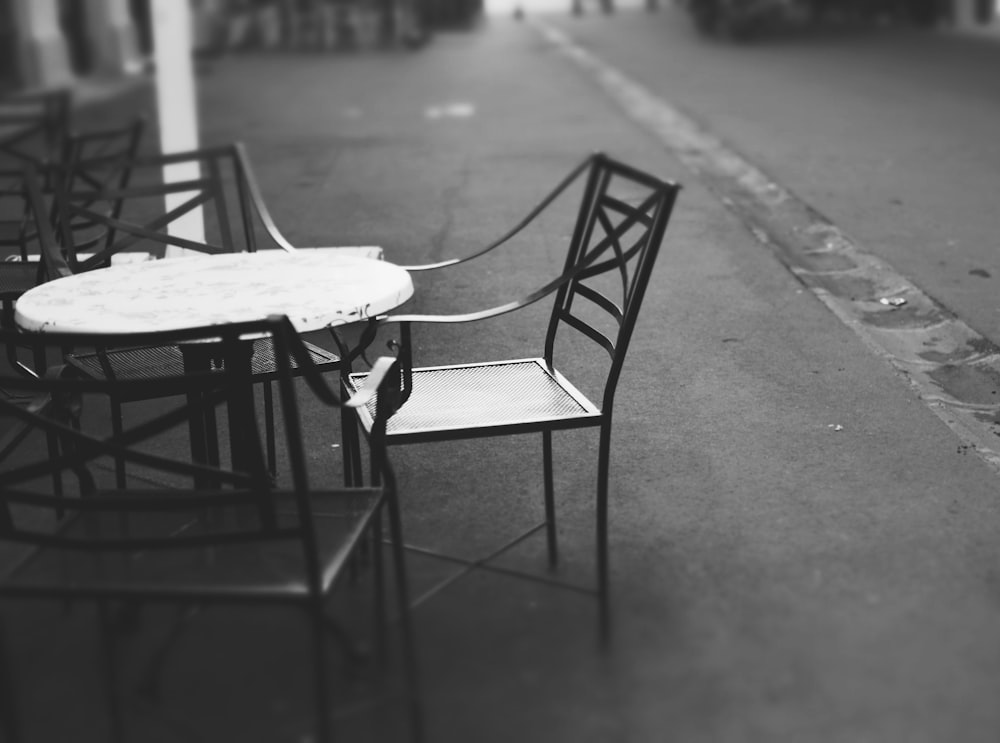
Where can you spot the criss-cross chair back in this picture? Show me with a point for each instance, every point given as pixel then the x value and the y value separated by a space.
pixel 33 127
pixel 58 400
pixel 619 230
pixel 94 162
pixel 208 182
pixel 33 131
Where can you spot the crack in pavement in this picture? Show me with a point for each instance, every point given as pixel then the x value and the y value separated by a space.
pixel 952 368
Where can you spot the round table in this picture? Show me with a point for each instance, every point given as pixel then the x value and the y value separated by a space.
pixel 315 289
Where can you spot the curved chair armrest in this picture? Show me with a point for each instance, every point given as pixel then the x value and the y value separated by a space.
pixel 495 311
pixel 588 267
pixel 257 199
pixel 316 381
pixel 528 219
pixel 373 381
pixel 264 214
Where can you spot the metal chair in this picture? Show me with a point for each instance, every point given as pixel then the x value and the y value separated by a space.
pixel 115 147
pixel 219 188
pixel 188 532
pixel 620 225
pixel 33 129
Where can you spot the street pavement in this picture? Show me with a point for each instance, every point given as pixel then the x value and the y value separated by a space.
pixel 801 549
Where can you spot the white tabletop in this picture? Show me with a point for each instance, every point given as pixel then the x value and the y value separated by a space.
pixel 315 289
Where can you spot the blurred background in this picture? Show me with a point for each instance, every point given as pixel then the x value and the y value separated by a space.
pixel 47 43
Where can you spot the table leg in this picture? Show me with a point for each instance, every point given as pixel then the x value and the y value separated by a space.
pixel 202 429
pixel 245 448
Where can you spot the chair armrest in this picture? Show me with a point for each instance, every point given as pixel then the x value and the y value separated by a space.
pixel 257 199
pixel 373 381
pixel 588 267
pixel 264 214
pixel 316 381
pixel 528 219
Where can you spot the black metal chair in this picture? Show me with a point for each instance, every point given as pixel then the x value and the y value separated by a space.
pixel 220 187
pixel 115 147
pixel 620 225
pixel 186 532
pixel 33 129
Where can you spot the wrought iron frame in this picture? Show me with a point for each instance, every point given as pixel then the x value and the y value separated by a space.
pixel 53 409
pixel 587 258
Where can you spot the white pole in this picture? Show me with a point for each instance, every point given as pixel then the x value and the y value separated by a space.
pixel 177 108
pixel 965 13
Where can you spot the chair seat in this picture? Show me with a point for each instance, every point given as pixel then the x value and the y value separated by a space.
pixel 155 362
pixel 257 569
pixel 495 398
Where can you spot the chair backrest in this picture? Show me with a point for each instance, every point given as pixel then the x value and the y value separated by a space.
pixel 620 226
pixel 52 263
pixel 210 182
pixel 33 130
pixel 164 481
pixel 115 147
pixel 92 162
pixel 33 127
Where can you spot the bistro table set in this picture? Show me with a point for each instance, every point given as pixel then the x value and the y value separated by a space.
pixel 237 513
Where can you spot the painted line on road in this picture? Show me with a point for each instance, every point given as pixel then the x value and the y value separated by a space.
pixel 951 367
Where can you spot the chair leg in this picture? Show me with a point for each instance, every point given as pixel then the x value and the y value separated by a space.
pixel 603 467
pixel 150 685
pixel 321 680
pixel 52 442
pixel 405 620
pixel 272 458
pixel 9 724
pixel 110 671
pixel 351 444
pixel 550 505
pixel 378 568
pixel 39 360
pixel 116 429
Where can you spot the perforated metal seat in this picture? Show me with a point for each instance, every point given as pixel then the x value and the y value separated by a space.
pixel 490 396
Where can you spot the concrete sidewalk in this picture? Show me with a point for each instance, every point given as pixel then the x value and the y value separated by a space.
pixel 801 551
